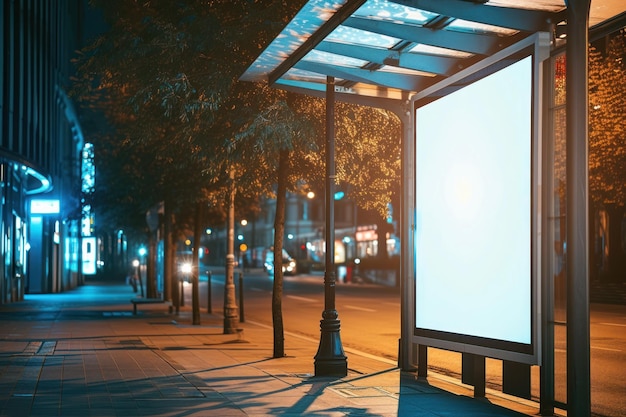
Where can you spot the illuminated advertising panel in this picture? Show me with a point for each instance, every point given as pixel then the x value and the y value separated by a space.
pixel 474 242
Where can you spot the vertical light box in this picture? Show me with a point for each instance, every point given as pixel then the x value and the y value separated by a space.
pixel 474 288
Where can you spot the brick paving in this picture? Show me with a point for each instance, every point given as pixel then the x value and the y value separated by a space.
pixel 83 353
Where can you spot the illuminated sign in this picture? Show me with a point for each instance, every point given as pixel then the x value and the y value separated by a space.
pixel 39 206
pixel 89 255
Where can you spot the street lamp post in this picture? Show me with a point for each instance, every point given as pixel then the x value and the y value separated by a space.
pixel 231 315
pixel 330 359
pixel 137 277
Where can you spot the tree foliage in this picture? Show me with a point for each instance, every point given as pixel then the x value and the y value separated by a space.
pixel 369 160
pixel 164 76
pixel 607 122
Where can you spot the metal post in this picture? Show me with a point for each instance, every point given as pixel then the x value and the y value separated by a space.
pixel 479 376
pixel 422 361
pixel 577 98
pixel 209 307
pixel 406 360
pixel 182 293
pixel 141 283
pixel 230 300
pixel 546 371
pixel 241 318
pixel 330 359
pixel 473 372
pixel 195 269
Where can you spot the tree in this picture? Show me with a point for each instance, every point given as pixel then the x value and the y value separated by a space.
pixel 168 71
pixel 279 144
pixel 148 154
pixel 286 140
pixel 163 71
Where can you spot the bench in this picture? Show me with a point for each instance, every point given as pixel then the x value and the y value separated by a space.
pixel 136 301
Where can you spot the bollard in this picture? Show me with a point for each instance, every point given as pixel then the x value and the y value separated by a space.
pixel 182 293
pixel 209 308
pixel 241 318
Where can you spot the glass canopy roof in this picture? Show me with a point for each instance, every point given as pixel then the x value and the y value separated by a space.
pixel 389 49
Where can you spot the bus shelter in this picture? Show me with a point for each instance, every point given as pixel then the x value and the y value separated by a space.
pixel 470 82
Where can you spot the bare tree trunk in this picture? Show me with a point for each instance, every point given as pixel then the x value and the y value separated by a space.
pixel 279 232
pixel 167 258
pixel 231 313
pixel 195 292
pixel 171 259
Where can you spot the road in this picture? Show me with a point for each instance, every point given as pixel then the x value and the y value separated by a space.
pixel 370 323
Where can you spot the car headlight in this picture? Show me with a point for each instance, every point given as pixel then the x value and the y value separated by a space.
pixel 185 268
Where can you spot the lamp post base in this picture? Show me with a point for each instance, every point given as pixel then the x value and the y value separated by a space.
pixel 330 359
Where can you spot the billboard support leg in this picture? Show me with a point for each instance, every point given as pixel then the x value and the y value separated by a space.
pixel 473 373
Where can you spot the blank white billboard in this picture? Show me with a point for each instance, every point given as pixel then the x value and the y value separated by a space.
pixel 474 207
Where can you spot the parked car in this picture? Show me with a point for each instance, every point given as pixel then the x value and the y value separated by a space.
pixel 289 264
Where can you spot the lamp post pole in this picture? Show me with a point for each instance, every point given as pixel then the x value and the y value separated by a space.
pixel 330 359
pixel 142 254
pixel 231 318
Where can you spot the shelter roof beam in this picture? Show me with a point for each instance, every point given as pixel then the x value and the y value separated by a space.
pixel 468 42
pixel 520 19
pixel 380 78
pixel 420 62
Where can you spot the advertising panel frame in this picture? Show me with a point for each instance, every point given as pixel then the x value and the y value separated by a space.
pixel 538 48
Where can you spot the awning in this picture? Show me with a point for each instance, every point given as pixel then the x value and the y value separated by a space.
pixel 389 49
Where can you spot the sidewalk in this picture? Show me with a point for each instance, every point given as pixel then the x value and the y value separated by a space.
pixel 83 353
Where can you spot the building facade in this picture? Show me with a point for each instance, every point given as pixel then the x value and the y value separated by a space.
pixel 41 148
pixel 358 234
